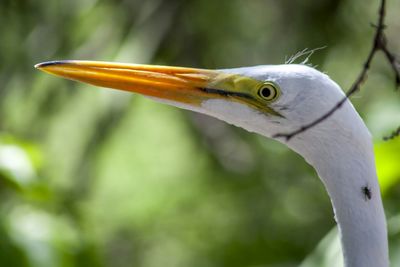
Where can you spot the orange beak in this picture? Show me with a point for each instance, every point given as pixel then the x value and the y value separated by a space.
pixel 184 85
pixel 188 87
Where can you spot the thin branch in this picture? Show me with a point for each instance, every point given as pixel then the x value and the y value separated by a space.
pixel 393 62
pixel 393 135
pixel 379 43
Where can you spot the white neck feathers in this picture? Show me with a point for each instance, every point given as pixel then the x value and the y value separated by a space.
pixel 341 151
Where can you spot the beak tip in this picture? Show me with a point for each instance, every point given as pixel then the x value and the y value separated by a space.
pixel 43 65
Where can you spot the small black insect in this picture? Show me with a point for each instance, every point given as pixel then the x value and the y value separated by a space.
pixel 366 192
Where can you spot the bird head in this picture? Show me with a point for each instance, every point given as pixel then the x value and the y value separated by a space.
pixel 270 100
pixel 266 99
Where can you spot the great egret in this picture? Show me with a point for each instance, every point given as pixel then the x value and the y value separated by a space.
pixel 268 100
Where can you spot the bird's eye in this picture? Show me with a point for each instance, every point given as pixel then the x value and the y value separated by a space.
pixel 268 91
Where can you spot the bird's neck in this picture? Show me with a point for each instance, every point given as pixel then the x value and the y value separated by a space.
pixel 345 163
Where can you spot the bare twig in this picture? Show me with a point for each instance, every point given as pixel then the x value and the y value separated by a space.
pixel 393 62
pixel 379 44
pixel 393 135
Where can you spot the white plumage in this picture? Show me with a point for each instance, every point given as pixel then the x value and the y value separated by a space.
pixel 339 148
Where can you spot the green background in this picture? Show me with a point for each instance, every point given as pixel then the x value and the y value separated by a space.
pixel 96 177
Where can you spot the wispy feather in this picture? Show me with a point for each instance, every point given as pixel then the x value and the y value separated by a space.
pixel 305 53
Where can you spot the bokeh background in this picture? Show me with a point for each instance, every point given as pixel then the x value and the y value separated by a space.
pixel 95 177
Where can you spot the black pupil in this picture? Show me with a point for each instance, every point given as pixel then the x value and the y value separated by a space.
pixel 266 92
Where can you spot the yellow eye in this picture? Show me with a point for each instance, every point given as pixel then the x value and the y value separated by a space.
pixel 268 91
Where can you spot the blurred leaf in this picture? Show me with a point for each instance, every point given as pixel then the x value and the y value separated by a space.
pixel 16 166
pixel 328 253
pixel 387 155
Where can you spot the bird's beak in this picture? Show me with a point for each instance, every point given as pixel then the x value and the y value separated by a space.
pixel 183 85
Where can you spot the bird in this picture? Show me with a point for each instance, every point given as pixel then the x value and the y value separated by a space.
pixel 269 100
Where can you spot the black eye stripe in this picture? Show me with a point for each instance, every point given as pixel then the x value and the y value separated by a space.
pixel 226 93
pixel 254 100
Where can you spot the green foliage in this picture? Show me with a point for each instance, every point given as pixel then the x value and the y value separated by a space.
pixel 95 177
pixel 387 161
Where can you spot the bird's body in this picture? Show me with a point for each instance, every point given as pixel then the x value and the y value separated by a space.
pixel 269 100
